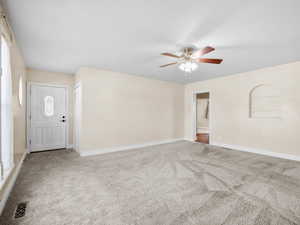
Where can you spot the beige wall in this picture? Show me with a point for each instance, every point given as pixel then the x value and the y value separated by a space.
pixel 60 79
pixel 121 109
pixel 19 111
pixel 229 104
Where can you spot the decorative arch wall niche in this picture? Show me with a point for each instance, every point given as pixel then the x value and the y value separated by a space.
pixel 265 102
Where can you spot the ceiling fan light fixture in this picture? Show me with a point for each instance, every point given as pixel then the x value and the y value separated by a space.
pixel 188 67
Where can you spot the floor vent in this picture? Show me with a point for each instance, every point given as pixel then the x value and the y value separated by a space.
pixel 20 210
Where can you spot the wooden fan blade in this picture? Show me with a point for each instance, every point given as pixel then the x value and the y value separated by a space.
pixel 170 54
pixel 205 60
pixel 203 51
pixel 169 64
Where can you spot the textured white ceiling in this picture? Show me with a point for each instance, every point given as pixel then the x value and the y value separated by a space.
pixel 128 36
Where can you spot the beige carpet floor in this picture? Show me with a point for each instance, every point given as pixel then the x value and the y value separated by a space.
pixel 182 183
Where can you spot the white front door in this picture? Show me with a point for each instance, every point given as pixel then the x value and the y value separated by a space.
pixel 47 117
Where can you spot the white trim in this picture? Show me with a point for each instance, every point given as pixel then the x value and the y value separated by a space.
pixel 77 114
pixel 252 150
pixel 194 113
pixel 191 140
pixel 125 148
pixel 69 146
pixel 5 175
pixel 77 85
pixel 28 90
pixel 29 84
pixel 48 84
pixel 258 151
pixel 11 183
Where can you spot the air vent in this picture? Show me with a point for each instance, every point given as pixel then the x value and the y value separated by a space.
pixel 20 210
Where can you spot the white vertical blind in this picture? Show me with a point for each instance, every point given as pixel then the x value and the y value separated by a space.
pixel 6 108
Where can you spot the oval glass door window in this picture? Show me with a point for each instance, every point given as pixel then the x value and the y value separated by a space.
pixel 49 106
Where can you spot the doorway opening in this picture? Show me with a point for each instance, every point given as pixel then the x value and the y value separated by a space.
pixel 202 118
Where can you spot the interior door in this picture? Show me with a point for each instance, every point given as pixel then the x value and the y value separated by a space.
pixel 48 117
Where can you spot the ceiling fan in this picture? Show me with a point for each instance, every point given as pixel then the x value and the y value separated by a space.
pixel 190 57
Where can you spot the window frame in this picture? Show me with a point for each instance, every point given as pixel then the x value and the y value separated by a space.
pixel 20 90
pixel 5 172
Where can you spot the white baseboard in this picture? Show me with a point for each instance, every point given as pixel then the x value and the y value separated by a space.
pixel 258 151
pixel 190 140
pixel 11 183
pixel 124 148
pixel 69 146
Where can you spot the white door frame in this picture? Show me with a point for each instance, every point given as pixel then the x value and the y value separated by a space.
pixel 77 124
pixel 194 114
pixel 28 90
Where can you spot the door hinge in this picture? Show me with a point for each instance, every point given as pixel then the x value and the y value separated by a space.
pixel 30 142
